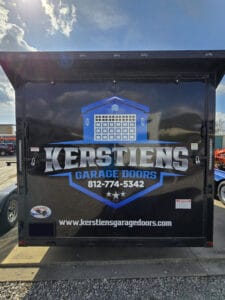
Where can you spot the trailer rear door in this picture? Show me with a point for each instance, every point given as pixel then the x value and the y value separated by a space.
pixel 114 152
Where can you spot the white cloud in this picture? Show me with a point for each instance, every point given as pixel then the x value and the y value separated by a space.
pixel 62 16
pixel 11 35
pixel 103 14
pixel 3 18
pixel 220 115
pixel 220 122
pixel 7 93
pixel 7 113
pixel 7 100
pixel 221 89
pixel 13 39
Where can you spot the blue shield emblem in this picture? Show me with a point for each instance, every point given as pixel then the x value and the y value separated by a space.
pixel 114 155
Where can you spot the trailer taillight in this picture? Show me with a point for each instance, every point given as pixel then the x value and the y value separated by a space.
pixel 22 243
pixel 209 244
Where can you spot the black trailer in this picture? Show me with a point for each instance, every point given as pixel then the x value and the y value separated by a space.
pixel 115 147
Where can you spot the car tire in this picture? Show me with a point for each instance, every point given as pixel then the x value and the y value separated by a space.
pixel 9 214
pixel 2 152
pixel 221 192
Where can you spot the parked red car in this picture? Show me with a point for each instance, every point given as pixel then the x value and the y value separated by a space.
pixel 219 155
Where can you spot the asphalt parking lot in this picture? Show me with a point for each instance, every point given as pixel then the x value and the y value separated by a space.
pixel 7 173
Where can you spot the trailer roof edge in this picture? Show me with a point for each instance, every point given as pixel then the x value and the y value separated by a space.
pixel 23 67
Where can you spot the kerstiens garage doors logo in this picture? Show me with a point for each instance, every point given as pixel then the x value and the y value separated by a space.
pixel 115 162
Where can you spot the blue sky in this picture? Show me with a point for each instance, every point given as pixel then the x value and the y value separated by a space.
pixel 54 25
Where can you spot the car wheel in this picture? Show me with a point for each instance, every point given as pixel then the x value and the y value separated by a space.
pixel 10 212
pixel 221 192
pixel 2 152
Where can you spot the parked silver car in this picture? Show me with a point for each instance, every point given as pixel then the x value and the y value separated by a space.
pixel 8 207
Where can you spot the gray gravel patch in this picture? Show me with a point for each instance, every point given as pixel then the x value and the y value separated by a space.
pixel 212 287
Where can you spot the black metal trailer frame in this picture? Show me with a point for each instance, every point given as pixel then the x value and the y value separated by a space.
pixel 115 147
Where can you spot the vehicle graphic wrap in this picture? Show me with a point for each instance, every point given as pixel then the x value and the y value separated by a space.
pixel 115 162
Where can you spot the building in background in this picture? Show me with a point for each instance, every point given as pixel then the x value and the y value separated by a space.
pixel 220 140
pixel 7 133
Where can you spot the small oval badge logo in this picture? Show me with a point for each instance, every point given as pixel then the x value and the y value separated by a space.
pixel 40 212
